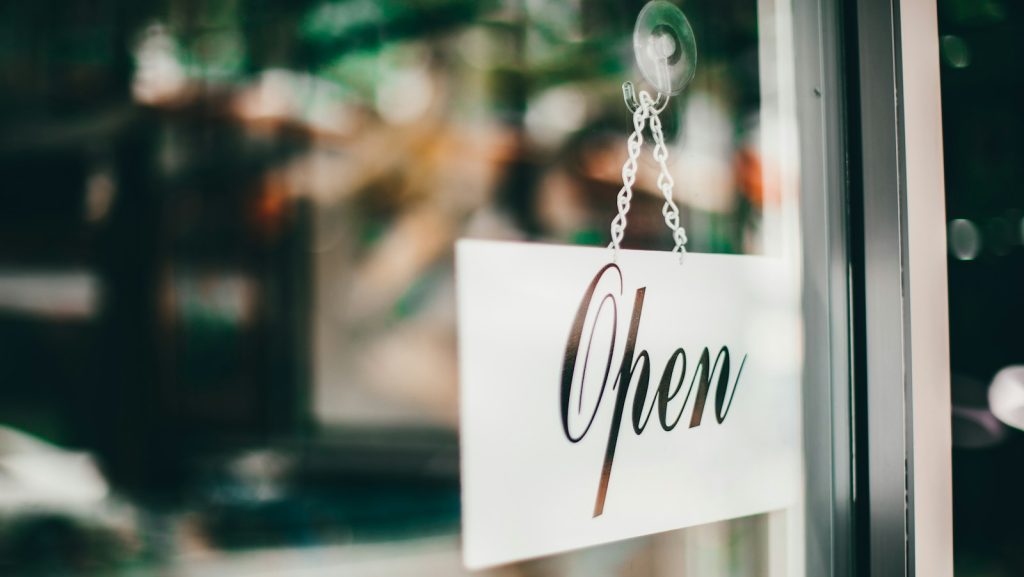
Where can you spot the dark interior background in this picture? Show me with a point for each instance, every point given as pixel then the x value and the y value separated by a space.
pixel 983 124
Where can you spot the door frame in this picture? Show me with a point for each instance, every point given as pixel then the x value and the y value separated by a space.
pixel 876 394
pixel 902 439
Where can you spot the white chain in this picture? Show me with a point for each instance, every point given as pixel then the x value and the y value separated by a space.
pixel 646 110
pixel 665 183
pixel 625 196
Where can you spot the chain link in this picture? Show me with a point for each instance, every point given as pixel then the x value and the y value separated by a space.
pixel 625 197
pixel 665 184
pixel 645 112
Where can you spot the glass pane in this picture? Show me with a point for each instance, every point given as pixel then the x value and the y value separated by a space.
pixel 227 303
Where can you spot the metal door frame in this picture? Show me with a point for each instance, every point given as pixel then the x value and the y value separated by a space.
pixel 878 459
pixel 903 469
pixel 828 448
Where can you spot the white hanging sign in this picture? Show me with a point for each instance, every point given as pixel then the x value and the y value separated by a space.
pixel 605 400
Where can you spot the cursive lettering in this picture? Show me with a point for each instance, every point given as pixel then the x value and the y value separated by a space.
pixel 635 370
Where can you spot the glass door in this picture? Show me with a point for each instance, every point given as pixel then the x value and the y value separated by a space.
pixel 230 315
pixel 527 97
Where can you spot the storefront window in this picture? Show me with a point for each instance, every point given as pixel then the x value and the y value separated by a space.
pixel 227 302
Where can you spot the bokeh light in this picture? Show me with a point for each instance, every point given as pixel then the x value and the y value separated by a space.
pixel 964 239
pixel 1006 396
pixel 955 51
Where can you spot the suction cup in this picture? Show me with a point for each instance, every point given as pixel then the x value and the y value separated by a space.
pixel 665 48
